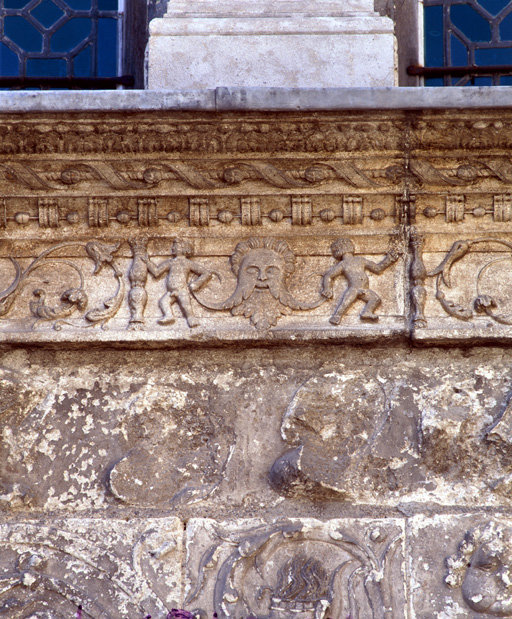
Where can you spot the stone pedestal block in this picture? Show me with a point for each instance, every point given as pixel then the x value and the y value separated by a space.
pixel 290 44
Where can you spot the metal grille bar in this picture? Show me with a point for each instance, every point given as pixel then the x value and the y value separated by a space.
pixel 62 36
pixel 459 38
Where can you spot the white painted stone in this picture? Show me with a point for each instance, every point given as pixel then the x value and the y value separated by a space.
pixel 207 44
pixel 268 7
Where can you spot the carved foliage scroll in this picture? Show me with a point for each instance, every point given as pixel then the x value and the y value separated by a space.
pixel 301 568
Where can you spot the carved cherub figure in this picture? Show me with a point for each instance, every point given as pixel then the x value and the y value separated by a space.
pixel 482 567
pixel 354 268
pixel 179 284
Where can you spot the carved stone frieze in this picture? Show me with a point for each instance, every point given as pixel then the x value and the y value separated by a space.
pixel 104 567
pixel 367 207
pixel 71 286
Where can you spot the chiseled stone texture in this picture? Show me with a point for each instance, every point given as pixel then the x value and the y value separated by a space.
pixel 111 567
pixel 296 568
pixel 233 431
pixel 273 44
pixel 460 566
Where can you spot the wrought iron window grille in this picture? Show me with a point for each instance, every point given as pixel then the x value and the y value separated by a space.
pixel 467 42
pixel 62 44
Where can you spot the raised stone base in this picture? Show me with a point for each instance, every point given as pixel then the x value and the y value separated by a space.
pixel 187 50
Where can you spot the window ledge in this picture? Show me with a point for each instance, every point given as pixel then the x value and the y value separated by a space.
pixel 271 99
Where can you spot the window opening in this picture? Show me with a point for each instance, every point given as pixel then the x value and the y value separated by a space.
pixel 467 42
pixel 62 43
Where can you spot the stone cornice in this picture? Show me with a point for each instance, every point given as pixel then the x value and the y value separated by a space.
pixel 257 99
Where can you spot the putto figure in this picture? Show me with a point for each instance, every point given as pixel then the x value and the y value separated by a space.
pixel 482 568
pixel 354 268
pixel 179 284
pixel 261 266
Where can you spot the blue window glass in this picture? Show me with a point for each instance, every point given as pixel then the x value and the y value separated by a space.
pixel 434 54
pixel 468 33
pixel 472 25
pixel 82 62
pixel 59 38
pixel 9 63
pixel 493 6
pixel 47 13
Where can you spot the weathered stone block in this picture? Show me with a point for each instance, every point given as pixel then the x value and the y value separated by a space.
pixel 460 565
pixel 296 568
pixel 235 429
pixel 112 567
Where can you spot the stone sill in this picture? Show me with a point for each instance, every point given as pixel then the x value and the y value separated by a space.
pixel 269 25
pixel 259 99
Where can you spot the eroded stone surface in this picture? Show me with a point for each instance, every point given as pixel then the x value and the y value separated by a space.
pixel 460 566
pixel 111 567
pixel 298 567
pixel 238 430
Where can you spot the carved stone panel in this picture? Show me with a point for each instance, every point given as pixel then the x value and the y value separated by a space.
pixel 230 430
pixel 460 565
pixel 105 567
pixel 187 288
pixel 465 283
pixel 153 228
pixel 392 433
pixel 296 567
pixel 460 179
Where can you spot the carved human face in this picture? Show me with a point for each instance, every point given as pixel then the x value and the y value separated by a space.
pixel 262 269
pixel 487 586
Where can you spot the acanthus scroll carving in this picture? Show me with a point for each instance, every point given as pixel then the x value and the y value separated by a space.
pixel 71 299
pixel 268 285
pixel 485 277
pixel 303 569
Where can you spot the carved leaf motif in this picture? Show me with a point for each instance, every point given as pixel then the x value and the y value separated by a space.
pixel 101 254
pixel 111 306
pixel 74 298
pixel 7 296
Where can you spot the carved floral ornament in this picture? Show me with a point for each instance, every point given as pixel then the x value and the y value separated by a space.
pixel 303 569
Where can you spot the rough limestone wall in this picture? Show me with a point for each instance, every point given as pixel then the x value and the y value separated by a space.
pixel 253 481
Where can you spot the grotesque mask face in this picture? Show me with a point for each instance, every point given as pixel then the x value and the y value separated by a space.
pixel 487 585
pixel 262 269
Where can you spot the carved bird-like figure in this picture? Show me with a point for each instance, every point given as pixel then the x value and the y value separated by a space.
pixel 458 250
pixel 72 299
